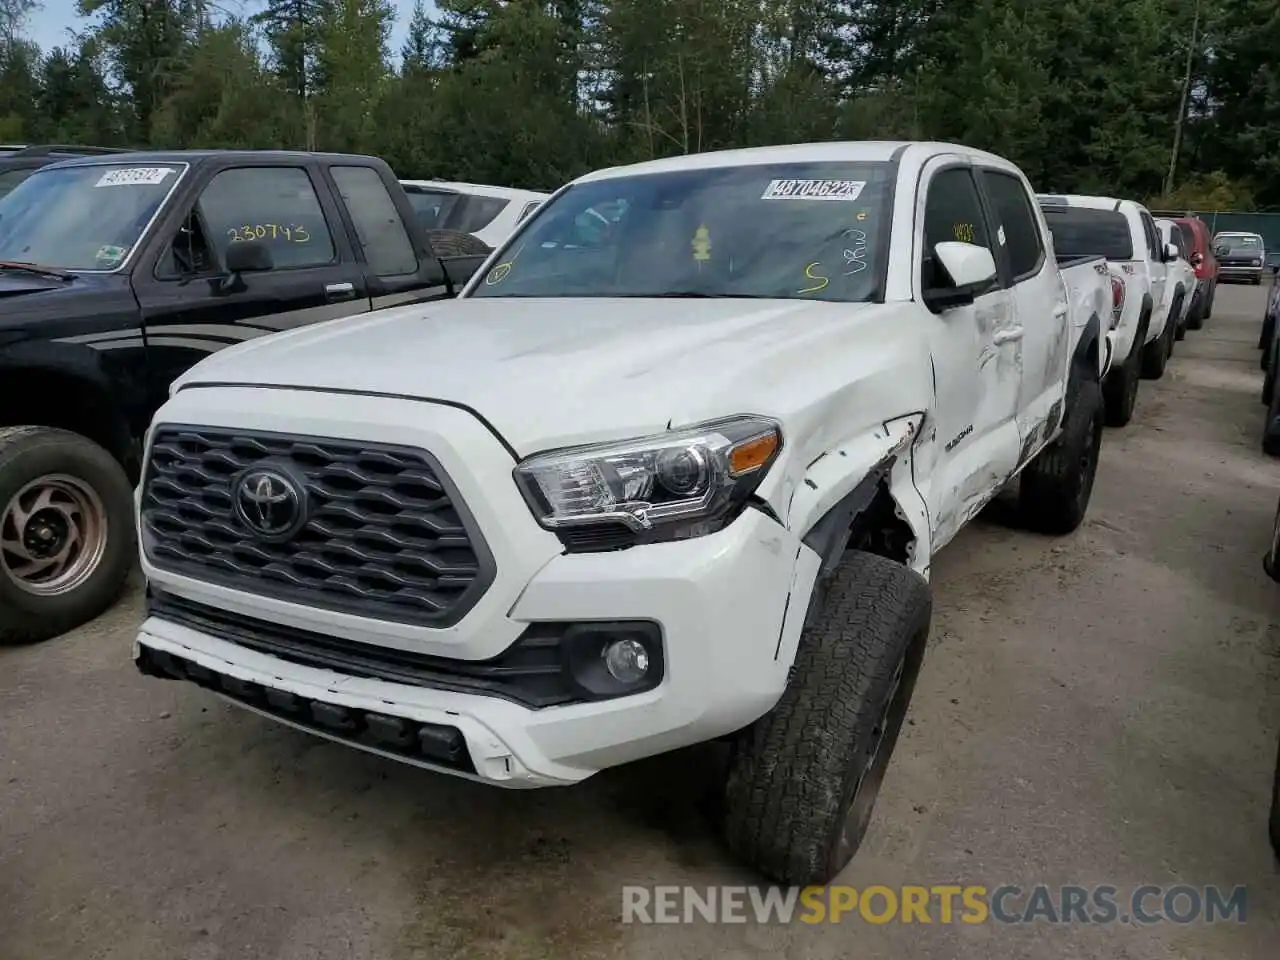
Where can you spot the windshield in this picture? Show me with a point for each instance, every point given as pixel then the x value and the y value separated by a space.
pixel 431 206
pixel 1087 232
pixel 810 231
pixel 1240 245
pixel 83 218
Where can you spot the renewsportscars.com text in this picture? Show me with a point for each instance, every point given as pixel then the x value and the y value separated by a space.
pixel 939 903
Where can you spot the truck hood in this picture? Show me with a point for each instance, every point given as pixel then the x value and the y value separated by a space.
pixel 16 284
pixel 550 373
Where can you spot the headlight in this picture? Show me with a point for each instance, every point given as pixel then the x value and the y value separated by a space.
pixel 1257 263
pixel 671 486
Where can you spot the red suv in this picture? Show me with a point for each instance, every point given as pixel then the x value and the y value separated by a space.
pixel 1206 264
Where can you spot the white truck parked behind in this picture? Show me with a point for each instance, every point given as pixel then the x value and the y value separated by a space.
pixel 1125 233
pixel 674 480
pixel 1180 285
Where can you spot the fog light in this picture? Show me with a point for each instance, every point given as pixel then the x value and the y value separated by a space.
pixel 626 660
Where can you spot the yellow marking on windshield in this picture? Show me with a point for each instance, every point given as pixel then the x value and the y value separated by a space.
pixel 702 244
pixel 823 282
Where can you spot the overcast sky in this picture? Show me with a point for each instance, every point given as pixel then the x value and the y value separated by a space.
pixel 49 25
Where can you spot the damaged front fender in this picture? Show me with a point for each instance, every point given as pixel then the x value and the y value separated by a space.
pixel 843 483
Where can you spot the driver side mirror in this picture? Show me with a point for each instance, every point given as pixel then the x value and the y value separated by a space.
pixel 1171 253
pixel 248 256
pixel 970 270
pixel 243 256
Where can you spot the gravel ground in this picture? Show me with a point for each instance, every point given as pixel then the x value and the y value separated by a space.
pixel 1097 709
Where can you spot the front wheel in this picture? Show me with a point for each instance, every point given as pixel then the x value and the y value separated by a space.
pixel 66 532
pixel 1155 355
pixel 803 778
pixel 1057 485
pixel 1120 389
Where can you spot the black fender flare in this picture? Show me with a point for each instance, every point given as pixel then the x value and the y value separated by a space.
pixel 73 367
pixel 1084 359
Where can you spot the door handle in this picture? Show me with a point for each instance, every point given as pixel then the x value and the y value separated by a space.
pixel 1007 336
pixel 340 291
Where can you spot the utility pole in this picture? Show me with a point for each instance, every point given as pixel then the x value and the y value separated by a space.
pixel 1182 103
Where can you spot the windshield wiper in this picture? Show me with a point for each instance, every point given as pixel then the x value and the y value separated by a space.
pixel 37 269
pixel 697 295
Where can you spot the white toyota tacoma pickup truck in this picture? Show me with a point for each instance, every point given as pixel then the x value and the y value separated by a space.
pixel 676 479
pixel 1125 233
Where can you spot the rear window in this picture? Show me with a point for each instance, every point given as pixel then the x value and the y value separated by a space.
pixel 432 207
pixel 481 211
pixel 1086 232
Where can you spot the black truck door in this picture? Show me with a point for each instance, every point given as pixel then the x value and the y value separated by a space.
pixel 400 266
pixel 189 307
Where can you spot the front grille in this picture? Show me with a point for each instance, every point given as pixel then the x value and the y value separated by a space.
pixel 529 672
pixel 386 536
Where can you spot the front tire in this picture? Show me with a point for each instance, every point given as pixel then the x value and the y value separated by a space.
pixel 67 540
pixel 1155 355
pixel 1274 819
pixel 803 779
pixel 1057 485
pixel 1120 389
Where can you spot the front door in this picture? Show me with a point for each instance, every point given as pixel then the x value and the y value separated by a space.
pixel 190 309
pixel 977 364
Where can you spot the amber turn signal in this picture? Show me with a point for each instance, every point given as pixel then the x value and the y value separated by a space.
pixel 753 454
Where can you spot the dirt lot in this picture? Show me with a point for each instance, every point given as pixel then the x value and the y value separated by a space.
pixel 1099 709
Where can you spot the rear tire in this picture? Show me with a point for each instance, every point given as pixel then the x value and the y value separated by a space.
pixel 803 778
pixel 1057 485
pixel 63 497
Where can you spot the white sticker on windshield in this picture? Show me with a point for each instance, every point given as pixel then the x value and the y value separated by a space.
pixel 813 190
pixel 134 176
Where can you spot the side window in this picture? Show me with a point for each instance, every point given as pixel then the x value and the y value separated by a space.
pixel 276 206
pixel 1021 233
pixel 381 232
pixel 1153 236
pixel 481 212
pixel 11 178
pixel 528 209
pixel 951 212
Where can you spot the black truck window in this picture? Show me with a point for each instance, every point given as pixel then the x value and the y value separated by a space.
pixel 381 232
pixel 276 206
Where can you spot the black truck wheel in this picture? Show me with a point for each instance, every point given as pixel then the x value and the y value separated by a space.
pixel 803 779
pixel 457 243
pixel 1155 355
pixel 1120 389
pixel 67 540
pixel 1271 426
pixel 1056 486
pixel 1274 819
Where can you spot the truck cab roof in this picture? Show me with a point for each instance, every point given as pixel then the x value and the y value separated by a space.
pixel 261 157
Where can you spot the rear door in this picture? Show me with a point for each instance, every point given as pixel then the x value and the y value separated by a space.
pixel 189 307
pixel 1039 304
pixel 397 269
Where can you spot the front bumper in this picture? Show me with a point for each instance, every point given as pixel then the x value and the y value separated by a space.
pixel 1236 272
pixel 729 606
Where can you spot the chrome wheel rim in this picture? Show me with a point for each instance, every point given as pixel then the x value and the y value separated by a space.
pixel 53 534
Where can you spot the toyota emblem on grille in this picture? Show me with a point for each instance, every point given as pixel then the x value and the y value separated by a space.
pixel 270 503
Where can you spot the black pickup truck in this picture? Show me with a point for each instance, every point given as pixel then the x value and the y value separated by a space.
pixel 117 274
